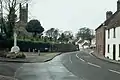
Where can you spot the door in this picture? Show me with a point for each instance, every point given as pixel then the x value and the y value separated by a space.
pixel 114 52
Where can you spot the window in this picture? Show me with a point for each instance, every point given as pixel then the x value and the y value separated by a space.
pixel 108 33
pixel 114 31
pixel 119 50
pixel 108 48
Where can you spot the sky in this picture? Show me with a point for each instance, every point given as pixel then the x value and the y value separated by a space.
pixel 71 15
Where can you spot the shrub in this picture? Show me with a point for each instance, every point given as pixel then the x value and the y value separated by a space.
pixel 3 54
pixel 16 55
pixel 11 55
pixel 25 45
pixel 21 55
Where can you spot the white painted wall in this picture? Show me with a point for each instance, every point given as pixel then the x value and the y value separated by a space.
pixel 80 46
pixel 93 41
pixel 112 41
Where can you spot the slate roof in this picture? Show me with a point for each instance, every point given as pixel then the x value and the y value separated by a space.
pixel 113 21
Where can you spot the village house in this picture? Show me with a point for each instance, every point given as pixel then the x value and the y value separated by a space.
pixel 108 35
pixel 93 43
pixel 100 40
pixel 82 44
pixel 100 34
pixel 112 44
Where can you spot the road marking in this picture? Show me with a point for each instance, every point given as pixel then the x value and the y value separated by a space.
pixel 91 53
pixel 70 59
pixel 114 71
pixel 15 74
pixel 94 65
pixel 80 58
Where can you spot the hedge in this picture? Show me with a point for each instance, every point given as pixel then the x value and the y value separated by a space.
pixel 26 45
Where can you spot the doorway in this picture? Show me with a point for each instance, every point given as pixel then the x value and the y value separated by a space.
pixel 114 52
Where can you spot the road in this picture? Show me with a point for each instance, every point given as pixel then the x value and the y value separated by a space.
pixel 78 65
pixel 8 68
pixel 88 67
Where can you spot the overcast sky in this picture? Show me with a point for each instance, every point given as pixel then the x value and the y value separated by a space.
pixel 71 14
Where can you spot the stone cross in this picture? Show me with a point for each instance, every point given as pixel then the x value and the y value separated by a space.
pixel 15 39
pixel 15 48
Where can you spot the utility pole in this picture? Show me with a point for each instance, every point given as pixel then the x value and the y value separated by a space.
pixel 1 16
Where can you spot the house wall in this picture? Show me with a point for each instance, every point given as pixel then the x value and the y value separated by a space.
pixel 100 40
pixel 112 41
pixel 93 42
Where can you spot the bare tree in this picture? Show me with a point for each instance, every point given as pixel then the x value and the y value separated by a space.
pixel 52 33
pixel 1 16
pixel 85 34
pixel 66 36
pixel 11 6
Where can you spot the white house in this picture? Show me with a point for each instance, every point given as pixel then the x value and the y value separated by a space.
pixel 112 35
pixel 82 44
pixel 113 43
pixel 93 43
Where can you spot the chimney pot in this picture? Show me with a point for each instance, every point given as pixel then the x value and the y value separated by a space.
pixel 109 14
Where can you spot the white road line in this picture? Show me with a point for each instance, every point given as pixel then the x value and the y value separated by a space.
pixel 94 65
pixel 91 53
pixel 114 71
pixel 70 59
pixel 80 58
pixel 15 74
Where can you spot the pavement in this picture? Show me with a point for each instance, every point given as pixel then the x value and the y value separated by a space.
pixel 32 58
pixel 8 67
pixel 53 70
pixel 101 57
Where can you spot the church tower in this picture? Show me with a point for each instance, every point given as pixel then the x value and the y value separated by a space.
pixel 23 15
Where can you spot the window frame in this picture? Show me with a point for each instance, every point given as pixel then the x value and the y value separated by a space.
pixel 114 32
pixel 108 33
pixel 119 50
pixel 108 47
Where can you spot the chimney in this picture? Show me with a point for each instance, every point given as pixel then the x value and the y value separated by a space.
pixel 108 14
pixel 118 5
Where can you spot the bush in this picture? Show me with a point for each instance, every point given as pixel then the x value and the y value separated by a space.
pixel 3 54
pixel 43 47
pixel 11 55
pixel 16 55
pixel 25 45
pixel 21 55
pixel 64 47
